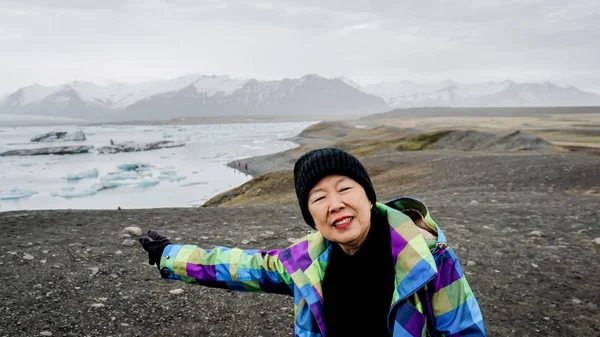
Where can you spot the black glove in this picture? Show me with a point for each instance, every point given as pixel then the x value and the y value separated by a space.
pixel 154 244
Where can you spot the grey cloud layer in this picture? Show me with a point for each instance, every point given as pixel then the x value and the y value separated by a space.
pixel 365 40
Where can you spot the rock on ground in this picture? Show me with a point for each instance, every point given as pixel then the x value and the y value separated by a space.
pixel 133 231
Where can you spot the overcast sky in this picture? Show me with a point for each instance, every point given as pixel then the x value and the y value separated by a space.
pixel 57 41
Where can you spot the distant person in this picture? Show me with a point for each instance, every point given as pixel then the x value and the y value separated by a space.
pixel 367 261
pixel 246 166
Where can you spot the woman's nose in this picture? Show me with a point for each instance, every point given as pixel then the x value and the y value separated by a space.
pixel 336 203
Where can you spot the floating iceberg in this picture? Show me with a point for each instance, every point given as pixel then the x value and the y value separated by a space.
pixel 194 183
pixel 133 167
pixel 68 194
pixel 170 175
pixel 122 175
pixel 175 178
pixel 56 150
pixel 93 173
pixel 60 135
pixel 146 173
pixel 147 183
pixel 49 137
pixel 134 174
pixel 78 135
pixel 54 162
pixel 15 193
pixel 134 147
pixel 106 184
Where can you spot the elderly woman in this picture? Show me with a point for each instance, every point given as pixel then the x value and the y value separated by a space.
pixel 370 269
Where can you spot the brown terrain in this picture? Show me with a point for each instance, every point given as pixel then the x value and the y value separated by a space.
pixel 518 199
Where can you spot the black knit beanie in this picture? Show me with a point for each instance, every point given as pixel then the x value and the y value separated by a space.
pixel 317 164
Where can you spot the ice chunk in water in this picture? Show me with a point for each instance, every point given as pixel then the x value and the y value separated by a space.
pixel 106 184
pixel 133 167
pixel 143 174
pixel 170 176
pixel 192 183
pixel 147 183
pixel 168 173
pixel 78 135
pixel 15 193
pixel 132 174
pixel 93 173
pixel 68 194
pixel 123 175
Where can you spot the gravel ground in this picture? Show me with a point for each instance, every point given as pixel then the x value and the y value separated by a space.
pixel 523 227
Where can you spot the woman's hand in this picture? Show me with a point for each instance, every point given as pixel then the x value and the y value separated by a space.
pixel 154 244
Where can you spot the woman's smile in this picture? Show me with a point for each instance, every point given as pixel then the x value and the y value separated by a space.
pixel 343 222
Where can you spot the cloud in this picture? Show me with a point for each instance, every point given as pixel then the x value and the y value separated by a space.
pixel 8 37
pixel 357 27
pixel 69 4
pixel 366 40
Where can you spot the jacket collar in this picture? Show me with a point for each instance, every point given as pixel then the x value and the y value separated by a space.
pixel 414 263
pixel 307 259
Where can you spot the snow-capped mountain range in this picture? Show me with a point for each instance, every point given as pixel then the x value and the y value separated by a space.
pixel 491 94
pixel 310 95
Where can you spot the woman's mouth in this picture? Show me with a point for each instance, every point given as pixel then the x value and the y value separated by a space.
pixel 343 223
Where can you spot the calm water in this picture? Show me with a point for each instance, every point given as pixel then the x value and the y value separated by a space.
pixel 176 177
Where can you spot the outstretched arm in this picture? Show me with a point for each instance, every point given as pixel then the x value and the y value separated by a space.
pixel 230 268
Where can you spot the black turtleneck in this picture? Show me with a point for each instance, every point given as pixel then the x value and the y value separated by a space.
pixel 357 289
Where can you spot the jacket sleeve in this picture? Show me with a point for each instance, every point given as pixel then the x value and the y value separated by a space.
pixel 456 311
pixel 229 268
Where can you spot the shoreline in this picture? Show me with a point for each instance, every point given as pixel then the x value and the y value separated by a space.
pixel 525 226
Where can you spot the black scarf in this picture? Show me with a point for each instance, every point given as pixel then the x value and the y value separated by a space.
pixel 357 289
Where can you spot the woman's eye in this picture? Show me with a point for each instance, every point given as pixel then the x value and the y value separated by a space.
pixel 345 189
pixel 317 199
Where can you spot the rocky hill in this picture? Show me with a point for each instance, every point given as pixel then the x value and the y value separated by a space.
pixel 274 178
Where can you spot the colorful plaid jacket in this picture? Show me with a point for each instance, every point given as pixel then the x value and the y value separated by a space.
pixel 430 286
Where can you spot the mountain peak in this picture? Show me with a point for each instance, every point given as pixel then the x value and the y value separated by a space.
pixel 348 81
pixel 490 94
pixel 312 77
pixel 237 94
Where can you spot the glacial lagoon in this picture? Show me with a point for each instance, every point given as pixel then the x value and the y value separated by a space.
pixel 183 176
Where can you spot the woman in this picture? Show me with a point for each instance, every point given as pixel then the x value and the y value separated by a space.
pixel 384 269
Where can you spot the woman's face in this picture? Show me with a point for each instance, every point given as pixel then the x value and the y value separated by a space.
pixel 341 211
